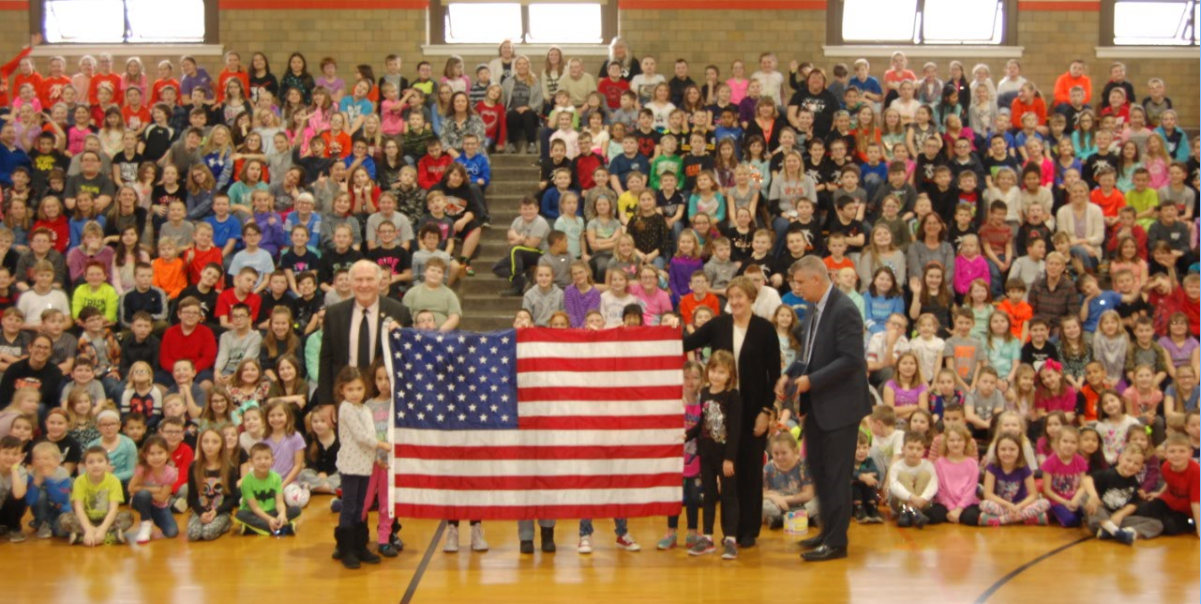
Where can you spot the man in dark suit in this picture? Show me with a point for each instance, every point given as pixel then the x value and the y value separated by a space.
pixel 346 339
pixel 834 398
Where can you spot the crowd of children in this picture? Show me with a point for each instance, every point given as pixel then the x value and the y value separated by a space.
pixel 1026 269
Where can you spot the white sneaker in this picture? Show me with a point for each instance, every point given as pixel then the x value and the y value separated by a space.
pixel 144 531
pixel 180 506
pixel 478 544
pixel 585 546
pixel 452 540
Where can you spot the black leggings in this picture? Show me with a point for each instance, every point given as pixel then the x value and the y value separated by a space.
pixel 11 513
pixel 1174 523
pixel 970 516
pixel 522 124
pixel 711 468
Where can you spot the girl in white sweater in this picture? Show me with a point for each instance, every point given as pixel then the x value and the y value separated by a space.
pixel 356 433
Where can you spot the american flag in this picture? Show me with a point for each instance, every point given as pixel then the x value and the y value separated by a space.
pixel 537 423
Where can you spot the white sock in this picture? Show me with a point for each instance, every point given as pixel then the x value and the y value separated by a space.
pixel 1110 526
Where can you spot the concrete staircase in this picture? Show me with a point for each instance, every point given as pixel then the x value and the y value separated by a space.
pixel 513 176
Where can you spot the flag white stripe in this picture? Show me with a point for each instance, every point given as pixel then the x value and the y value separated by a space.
pixel 438 497
pixel 622 350
pixel 541 467
pixel 600 408
pixel 538 438
pixel 596 379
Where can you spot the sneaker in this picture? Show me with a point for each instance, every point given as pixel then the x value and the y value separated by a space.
pixel 667 542
pixel 486 224
pixel 1125 536
pixel 627 543
pixel 74 539
pixel 452 540
pixel 874 517
pixel 16 537
pixel 920 520
pixel 513 149
pixel 527 547
pixel 386 550
pixel 905 519
pixel 335 506
pixel 729 551
pixel 44 531
pixel 288 530
pixel 144 531
pixel 531 149
pixel 585 546
pixel 860 514
pixel 703 546
pixel 180 506
pixel 691 540
pixel 397 543
pixel 478 543
pixel 469 271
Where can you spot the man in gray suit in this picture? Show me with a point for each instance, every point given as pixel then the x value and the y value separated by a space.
pixel 831 377
pixel 346 339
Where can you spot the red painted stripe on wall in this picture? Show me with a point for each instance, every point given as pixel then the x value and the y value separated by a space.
pixel 744 5
pixel 1091 6
pixel 323 4
pixel 8 5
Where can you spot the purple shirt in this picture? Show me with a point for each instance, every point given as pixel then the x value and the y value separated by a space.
pixel 285 452
pixel 577 305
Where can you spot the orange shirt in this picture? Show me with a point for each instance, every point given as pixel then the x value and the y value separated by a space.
pixel 1019 315
pixel 1110 204
pixel 156 91
pixel 836 265
pixel 51 91
pixel 1064 85
pixel 689 304
pixel 226 76
pixel 170 276
pixel 1037 107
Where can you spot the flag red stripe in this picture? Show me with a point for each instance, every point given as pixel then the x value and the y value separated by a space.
pixel 534 483
pixel 607 393
pixel 631 335
pixel 534 453
pixel 599 364
pixel 546 512
pixel 625 422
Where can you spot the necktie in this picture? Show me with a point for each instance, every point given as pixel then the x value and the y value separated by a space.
pixel 364 358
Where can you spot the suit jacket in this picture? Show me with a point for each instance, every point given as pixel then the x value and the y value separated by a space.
pixel 335 340
pixel 837 367
pixel 758 365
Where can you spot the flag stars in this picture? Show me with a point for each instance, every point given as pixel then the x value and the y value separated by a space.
pixel 483 417
pixel 494 408
pixel 420 416
pixel 441 417
pixel 471 408
pixel 462 417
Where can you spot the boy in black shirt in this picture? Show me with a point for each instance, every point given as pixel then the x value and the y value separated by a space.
pixel 205 291
pixel 842 220
pixel 696 160
pixel 1113 499
pixel 928 161
pixel 807 225
pixel 308 304
pixel 646 135
pixel 1039 350
pixel 45 158
pixel 1101 161
pixel 944 199
pixel 998 157
pixel 962 226
pixel 275 295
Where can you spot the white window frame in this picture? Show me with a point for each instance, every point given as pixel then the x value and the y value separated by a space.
pixel 439 43
pixel 1003 47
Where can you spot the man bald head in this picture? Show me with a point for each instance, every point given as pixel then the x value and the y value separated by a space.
pixel 365 276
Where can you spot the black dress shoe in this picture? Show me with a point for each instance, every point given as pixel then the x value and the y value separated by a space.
pixel 746 542
pixel 813 542
pixel 825 553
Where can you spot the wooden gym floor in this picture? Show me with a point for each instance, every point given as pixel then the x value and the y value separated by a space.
pixel 940 564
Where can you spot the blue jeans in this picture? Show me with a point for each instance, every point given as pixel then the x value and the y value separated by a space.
pixel 1080 253
pixel 692 504
pixel 45 512
pixel 997 280
pixel 143 504
pixel 621 527
pixel 780 225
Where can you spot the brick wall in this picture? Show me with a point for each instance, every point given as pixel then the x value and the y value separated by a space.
pixel 363 31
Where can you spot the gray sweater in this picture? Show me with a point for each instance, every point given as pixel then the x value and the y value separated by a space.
pixel 543 304
pixel 232 350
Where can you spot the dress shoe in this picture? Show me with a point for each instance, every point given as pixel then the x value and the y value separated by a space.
pixel 813 542
pixel 747 542
pixel 824 553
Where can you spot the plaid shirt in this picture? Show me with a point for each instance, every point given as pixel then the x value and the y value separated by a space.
pixel 1051 305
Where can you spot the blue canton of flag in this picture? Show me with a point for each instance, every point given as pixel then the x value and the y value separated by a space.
pixel 455 381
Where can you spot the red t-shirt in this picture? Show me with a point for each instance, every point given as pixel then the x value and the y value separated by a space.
pixel 135 118
pixel 226 76
pixel 156 91
pixel 181 458
pixel 229 297
pixel 1037 106
pixel 612 91
pixel 113 80
pixel 51 91
pixel 198 259
pixel 1182 487
pixel 1110 204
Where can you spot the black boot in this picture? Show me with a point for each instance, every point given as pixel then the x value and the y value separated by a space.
pixel 548 540
pixel 338 545
pixel 346 548
pixel 364 554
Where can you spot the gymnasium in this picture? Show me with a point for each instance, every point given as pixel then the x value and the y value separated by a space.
pixel 960 235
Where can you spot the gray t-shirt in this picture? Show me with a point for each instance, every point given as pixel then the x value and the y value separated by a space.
pixel 967 353
pixel 404 228
pixel 233 349
pixel 985 405
pixel 561 265
pixel 421 257
pixel 182 234
pixel 538 227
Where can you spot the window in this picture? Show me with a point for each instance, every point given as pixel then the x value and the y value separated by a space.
pixel 523 21
pixel 1151 23
pixel 125 21
pixel 933 22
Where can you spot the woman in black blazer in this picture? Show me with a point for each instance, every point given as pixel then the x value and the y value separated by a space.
pixel 758 359
pixel 767 123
